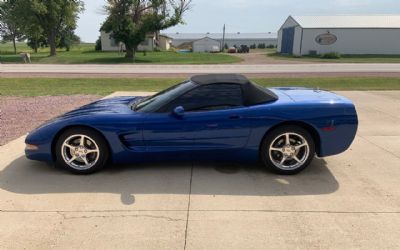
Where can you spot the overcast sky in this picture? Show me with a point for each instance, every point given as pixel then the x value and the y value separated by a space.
pixel 244 15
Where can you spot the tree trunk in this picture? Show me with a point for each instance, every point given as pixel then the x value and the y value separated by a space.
pixel 15 45
pixel 130 53
pixel 157 41
pixel 52 43
pixel 36 46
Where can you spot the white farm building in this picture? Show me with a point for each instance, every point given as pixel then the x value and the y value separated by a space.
pixel 347 35
pixel 231 39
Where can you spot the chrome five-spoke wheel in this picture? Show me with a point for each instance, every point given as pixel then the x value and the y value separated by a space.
pixel 288 149
pixel 80 152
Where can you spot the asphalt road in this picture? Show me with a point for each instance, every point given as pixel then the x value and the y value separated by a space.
pixel 350 201
pixel 152 69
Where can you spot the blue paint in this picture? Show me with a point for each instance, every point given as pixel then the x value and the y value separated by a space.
pixel 232 134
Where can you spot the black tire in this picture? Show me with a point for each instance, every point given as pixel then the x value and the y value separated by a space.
pixel 271 138
pixel 99 140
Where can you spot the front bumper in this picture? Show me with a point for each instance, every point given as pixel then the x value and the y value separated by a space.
pixel 37 149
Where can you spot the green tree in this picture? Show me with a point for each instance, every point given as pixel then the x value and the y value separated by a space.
pixel 130 21
pixel 9 22
pixel 67 39
pixel 34 34
pixel 98 46
pixel 51 18
pixel 36 42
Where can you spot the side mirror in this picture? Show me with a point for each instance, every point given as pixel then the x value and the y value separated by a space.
pixel 179 111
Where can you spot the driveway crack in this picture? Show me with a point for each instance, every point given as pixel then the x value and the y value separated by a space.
pixel 188 207
pixel 384 149
pixel 66 217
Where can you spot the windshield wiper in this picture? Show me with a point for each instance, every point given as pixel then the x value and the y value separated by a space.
pixel 135 105
pixel 144 103
pixel 136 102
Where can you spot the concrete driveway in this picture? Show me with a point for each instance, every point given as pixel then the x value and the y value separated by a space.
pixel 347 201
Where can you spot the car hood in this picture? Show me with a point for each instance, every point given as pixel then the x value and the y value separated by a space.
pixel 118 105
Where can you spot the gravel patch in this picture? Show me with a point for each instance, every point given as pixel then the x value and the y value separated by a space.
pixel 20 115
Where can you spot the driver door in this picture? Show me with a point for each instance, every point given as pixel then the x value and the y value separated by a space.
pixel 214 120
pixel 164 132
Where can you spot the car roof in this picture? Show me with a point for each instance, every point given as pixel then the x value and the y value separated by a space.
pixel 220 78
pixel 253 94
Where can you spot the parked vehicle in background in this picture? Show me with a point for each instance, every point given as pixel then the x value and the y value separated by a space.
pixel 243 49
pixel 232 50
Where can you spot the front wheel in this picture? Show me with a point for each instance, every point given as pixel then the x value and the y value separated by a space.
pixel 81 151
pixel 288 150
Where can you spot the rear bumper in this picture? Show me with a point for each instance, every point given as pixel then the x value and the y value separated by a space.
pixel 339 140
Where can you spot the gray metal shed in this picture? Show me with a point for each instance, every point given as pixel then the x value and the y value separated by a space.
pixel 206 44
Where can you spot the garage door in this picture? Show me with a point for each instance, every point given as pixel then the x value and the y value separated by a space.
pixel 200 48
pixel 287 41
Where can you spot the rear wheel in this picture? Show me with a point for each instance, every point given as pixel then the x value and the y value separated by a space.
pixel 288 150
pixel 81 151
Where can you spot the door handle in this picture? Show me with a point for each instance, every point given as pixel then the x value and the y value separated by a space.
pixel 234 117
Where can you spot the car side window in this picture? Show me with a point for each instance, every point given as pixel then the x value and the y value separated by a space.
pixel 210 97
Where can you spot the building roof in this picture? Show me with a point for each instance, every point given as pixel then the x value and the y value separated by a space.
pixel 370 21
pixel 205 38
pixel 197 36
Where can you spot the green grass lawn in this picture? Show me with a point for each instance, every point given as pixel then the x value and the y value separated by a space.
pixel 85 53
pixel 62 86
pixel 343 59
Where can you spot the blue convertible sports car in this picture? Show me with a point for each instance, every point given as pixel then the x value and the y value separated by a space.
pixel 210 118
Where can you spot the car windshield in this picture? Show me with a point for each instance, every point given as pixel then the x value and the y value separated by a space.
pixel 154 103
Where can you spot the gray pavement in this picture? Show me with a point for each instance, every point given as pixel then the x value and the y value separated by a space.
pixel 198 69
pixel 342 202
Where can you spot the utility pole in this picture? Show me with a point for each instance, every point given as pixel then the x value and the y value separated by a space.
pixel 223 39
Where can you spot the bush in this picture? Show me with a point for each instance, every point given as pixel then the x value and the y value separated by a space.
pixel 98 46
pixel 271 46
pixel 253 46
pixel 36 44
pixel 261 46
pixel 332 55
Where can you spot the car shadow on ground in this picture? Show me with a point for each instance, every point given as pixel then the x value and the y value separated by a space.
pixel 28 177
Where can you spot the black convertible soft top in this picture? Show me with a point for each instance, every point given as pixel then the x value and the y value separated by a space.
pixel 253 94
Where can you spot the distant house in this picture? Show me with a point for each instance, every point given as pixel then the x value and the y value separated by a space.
pixel 109 44
pixel 206 44
pixel 231 39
